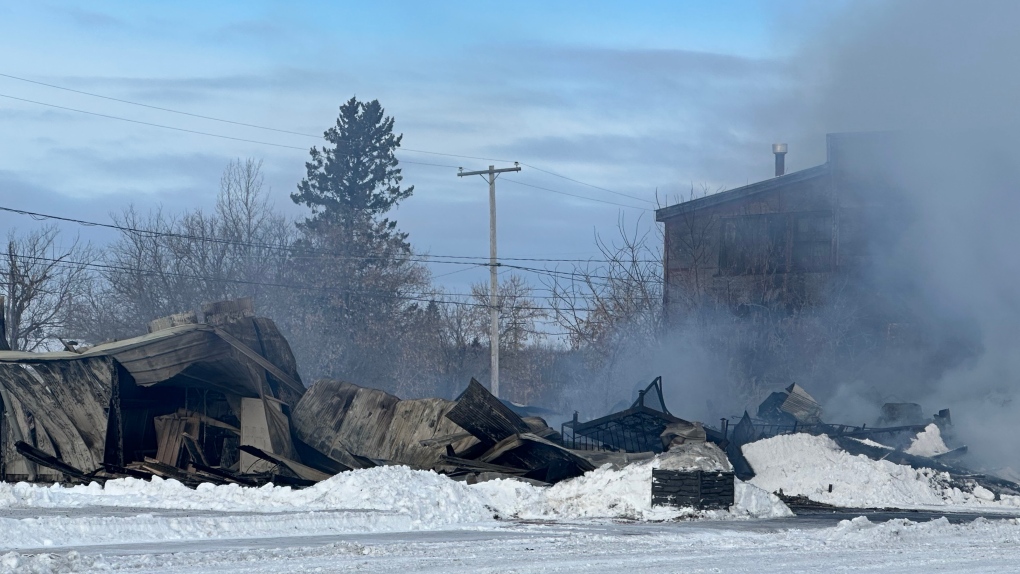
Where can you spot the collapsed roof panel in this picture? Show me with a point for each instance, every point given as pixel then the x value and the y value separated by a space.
pixel 62 405
pixel 801 405
pixel 349 423
pixel 485 416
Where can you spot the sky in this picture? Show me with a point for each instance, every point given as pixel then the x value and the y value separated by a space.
pixel 643 99
pixel 646 100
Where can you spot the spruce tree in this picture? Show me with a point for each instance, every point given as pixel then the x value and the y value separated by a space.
pixel 350 185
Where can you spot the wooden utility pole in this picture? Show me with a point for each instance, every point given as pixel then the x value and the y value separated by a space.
pixel 4 345
pixel 493 173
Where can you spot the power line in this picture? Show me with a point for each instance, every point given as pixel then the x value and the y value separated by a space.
pixel 172 111
pixel 222 120
pixel 448 259
pixel 185 130
pixel 367 293
pixel 469 264
pixel 588 184
pixel 278 130
pixel 196 132
pixel 574 195
pixel 151 124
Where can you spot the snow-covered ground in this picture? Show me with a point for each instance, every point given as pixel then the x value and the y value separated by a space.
pixel 695 547
pixel 391 519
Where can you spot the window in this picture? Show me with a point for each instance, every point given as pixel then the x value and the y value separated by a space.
pixel 753 245
pixel 812 242
pixel 776 243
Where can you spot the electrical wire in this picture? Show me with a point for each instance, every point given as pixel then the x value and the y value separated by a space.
pixel 440 298
pixel 575 195
pixel 448 259
pixel 283 131
pixel 588 184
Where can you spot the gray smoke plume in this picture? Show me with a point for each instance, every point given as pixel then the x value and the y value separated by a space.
pixel 942 76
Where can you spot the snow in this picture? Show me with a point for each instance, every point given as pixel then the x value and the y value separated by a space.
pixel 394 519
pixel 626 493
pixel 429 500
pixel 803 464
pixel 928 442
pixel 382 499
pixel 870 442
pixel 80 531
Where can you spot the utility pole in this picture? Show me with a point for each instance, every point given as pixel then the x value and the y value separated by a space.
pixel 493 173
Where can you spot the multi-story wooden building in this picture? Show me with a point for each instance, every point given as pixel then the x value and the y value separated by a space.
pixel 787 241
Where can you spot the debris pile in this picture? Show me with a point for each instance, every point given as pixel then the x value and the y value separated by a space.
pixel 475 437
pixel 220 401
pixel 197 402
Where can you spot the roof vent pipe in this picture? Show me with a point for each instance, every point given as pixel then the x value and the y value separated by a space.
pixel 780 152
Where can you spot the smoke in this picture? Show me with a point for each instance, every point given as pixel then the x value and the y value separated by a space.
pixel 935 80
pixel 941 77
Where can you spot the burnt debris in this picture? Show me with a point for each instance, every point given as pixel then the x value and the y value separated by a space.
pixel 221 401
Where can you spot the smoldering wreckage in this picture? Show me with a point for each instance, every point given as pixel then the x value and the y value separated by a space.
pixel 221 401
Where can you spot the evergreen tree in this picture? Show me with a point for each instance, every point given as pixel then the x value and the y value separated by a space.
pixel 351 318
pixel 350 185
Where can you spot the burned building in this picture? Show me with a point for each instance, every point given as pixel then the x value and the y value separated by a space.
pixel 221 401
pixel 785 241
pixel 823 275
pixel 187 394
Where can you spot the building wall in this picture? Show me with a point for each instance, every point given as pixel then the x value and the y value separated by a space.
pixel 776 247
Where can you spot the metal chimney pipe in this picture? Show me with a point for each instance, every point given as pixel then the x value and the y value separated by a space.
pixel 780 152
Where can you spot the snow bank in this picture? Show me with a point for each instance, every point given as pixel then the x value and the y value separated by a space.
pixel 399 499
pixel 860 530
pixel 806 465
pixel 928 442
pixel 428 500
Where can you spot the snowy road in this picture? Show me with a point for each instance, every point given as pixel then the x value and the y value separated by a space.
pixel 787 545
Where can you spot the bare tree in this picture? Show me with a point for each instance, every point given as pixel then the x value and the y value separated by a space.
pixel 165 264
pixel 43 281
pixel 611 311
pixel 596 300
pixel 518 313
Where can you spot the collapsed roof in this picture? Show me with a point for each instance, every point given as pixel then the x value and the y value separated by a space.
pixel 104 407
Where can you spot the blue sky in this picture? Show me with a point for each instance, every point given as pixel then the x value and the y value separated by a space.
pixel 633 97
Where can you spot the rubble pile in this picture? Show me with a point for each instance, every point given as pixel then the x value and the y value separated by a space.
pixel 220 401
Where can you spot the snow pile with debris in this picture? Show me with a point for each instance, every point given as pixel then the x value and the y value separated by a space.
pixel 928 442
pixel 803 464
pixel 626 493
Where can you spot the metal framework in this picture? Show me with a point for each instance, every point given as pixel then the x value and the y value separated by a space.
pixel 636 429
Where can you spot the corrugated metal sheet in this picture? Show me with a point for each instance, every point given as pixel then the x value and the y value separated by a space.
pixel 484 416
pixel 340 420
pixel 801 405
pixel 67 402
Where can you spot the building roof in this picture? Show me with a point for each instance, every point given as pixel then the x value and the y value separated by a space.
pixel 741 192
pixel 206 351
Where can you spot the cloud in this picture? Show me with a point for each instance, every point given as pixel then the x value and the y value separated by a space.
pixel 90 19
